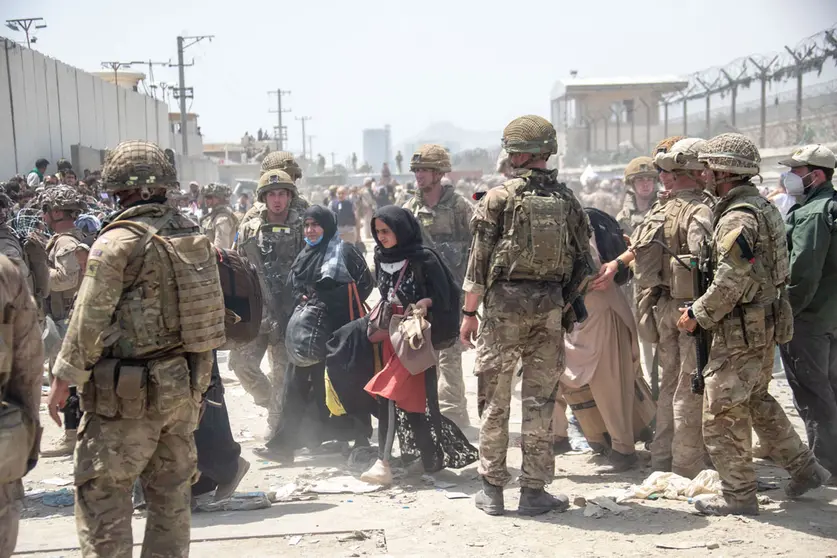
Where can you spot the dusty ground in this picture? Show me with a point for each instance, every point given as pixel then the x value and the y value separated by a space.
pixel 415 518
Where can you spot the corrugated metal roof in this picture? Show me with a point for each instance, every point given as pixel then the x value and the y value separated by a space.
pixel 661 83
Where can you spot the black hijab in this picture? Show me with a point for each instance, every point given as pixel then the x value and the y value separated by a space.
pixel 438 282
pixel 407 234
pixel 306 266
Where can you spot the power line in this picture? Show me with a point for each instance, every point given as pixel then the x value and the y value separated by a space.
pixel 25 24
pixel 303 119
pixel 182 90
pixel 280 130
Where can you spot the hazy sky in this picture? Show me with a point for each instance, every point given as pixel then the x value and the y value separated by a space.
pixel 366 63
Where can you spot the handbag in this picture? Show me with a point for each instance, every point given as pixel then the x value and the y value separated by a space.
pixel 410 336
pixel 381 315
pixel 306 335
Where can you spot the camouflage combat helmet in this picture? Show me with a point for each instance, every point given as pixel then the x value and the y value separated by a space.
pixel 641 167
pixel 274 180
pixel 530 134
pixel 432 157
pixel 61 198
pixel 137 164
pixel 681 156
pixel 216 190
pixel 283 161
pixel 733 153
pixel 666 144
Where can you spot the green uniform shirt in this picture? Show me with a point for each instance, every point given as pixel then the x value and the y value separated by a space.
pixel 813 261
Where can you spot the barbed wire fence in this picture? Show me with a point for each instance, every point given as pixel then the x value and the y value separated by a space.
pixel 775 119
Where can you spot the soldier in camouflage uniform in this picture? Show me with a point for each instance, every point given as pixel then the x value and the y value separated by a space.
pixel 683 223
pixel 283 161
pixel 641 180
pixel 21 370
pixel 747 311
pixel 220 224
pixel 65 253
pixel 140 364
pixel 529 257
pixel 444 216
pixel 25 249
pixel 271 240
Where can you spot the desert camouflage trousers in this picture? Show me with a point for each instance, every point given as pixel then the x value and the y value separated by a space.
pixel 11 496
pixel 735 403
pixel 678 444
pixel 452 401
pixel 522 320
pixel 246 363
pixel 111 454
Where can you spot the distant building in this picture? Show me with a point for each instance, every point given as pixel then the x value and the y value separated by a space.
pixel 377 148
pixel 596 117
pixel 194 139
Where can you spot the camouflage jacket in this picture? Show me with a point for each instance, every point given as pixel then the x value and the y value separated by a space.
pixel 489 221
pixel 220 226
pixel 743 259
pixel 123 308
pixel 64 272
pixel 21 353
pixel 446 226
pixel 630 217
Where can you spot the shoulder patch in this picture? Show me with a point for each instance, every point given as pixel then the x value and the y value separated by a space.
pixel 728 241
pixel 92 268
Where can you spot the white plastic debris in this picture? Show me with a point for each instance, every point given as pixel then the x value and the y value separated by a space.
pixel 342 485
pixel 673 487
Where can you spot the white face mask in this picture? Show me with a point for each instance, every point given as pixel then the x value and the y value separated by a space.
pixel 793 183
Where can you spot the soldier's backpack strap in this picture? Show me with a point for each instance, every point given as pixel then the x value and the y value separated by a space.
pixel 148 231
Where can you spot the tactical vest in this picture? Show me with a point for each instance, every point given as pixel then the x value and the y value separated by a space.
pixel 11 247
pixel 208 222
pixel 60 303
pixel 440 221
pixel 667 223
pixel 766 295
pixel 535 242
pixel 272 248
pixel 176 298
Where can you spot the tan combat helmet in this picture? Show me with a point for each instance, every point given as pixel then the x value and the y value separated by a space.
pixel 641 167
pixel 275 180
pixel 530 134
pixel 216 190
pixel 432 157
pixel 666 144
pixel 283 161
pixel 732 153
pixel 137 164
pixel 61 198
pixel 682 156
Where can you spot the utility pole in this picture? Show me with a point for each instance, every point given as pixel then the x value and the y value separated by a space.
pixel 311 146
pixel 25 24
pixel 115 66
pixel 280 130
pixel 152 86
pixel 333 154
pixel 303 120
pixel 182 45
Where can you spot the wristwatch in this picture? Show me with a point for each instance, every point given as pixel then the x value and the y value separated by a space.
pixel 620 265
pixel 469 314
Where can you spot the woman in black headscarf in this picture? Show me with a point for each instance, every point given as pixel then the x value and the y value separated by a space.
pixel 409 273
pixel 327 270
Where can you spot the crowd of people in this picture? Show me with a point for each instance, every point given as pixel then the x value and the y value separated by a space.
pixel 124 274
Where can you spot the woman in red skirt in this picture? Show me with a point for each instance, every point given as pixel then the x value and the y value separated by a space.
pixel 408 405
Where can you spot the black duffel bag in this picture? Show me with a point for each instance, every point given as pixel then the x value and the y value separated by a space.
pixel 307 334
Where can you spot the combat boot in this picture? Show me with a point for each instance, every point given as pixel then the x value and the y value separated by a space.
pixel 490 499
pixel 718 505
pixel 619 462
pixel 815 477
pixel 535 501
pixel 64 446
pixel 561 445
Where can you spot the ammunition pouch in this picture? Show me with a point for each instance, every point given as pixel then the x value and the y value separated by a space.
pixel 746 326
pixel 682 285
pixel 20 442
pixel 128 388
